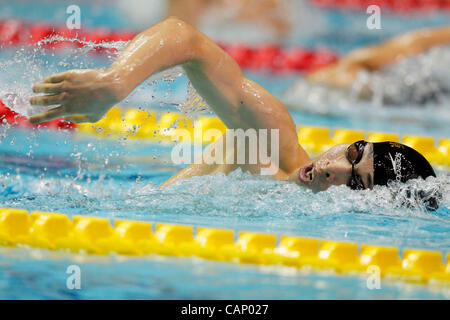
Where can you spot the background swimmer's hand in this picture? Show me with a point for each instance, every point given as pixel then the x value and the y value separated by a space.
pixel 80 96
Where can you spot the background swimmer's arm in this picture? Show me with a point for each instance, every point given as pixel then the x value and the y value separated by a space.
pixel 414 42
pixel 372 58
pixel 238 101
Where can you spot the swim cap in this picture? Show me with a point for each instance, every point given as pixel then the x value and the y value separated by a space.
pixel 398 162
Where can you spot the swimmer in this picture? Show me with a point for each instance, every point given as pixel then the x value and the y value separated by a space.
pixel 86 95
pixel 344 72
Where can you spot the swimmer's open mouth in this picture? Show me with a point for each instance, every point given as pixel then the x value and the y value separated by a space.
pixel 306 173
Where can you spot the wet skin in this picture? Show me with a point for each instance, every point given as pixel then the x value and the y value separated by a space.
pixel 334 168
pixel 86 95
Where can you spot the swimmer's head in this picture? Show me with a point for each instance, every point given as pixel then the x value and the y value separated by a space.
pixel 361 165
pixel 398 162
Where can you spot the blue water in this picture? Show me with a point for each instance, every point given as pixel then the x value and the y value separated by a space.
pixel 64 172
pixel 44 276
pixel 54 178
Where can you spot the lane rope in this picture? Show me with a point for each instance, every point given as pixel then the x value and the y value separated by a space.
pixel 12 118
pixel 140 124
pixel 14 32
pixel 93 235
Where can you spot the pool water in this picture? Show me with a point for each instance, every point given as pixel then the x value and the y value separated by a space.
pixel 66 172
pixel 37 274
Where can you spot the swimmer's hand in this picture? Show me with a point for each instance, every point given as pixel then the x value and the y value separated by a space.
pixel 80 96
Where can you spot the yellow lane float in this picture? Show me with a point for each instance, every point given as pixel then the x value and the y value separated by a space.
pixel 174 127
pixel 55 231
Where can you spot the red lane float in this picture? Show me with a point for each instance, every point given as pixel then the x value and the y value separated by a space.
pixel 397 6
pixel 14 32
pixel 277 59
pixel 8 116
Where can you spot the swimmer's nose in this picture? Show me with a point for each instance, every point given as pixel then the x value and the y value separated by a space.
pixel 326 172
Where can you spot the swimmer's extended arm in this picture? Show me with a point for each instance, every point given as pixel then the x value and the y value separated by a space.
pixel 86 95
pixel 344 72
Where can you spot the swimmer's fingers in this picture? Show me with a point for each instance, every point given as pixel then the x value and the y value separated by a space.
pixel 48 88
pixel 57 77
pixel 78 118
pixel 49 100
pixel 49 115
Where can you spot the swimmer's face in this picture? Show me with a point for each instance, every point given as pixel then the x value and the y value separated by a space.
pixel 334 167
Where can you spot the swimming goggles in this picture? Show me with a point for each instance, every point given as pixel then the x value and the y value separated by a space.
pixel 354 155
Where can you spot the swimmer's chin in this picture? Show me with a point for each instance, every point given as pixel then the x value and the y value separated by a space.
pixel 293 177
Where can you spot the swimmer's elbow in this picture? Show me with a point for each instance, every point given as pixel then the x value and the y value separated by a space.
pixel 173 20
pixel 180 27
pixel 186 35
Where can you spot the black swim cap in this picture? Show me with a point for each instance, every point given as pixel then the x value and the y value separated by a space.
pixel 398 162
